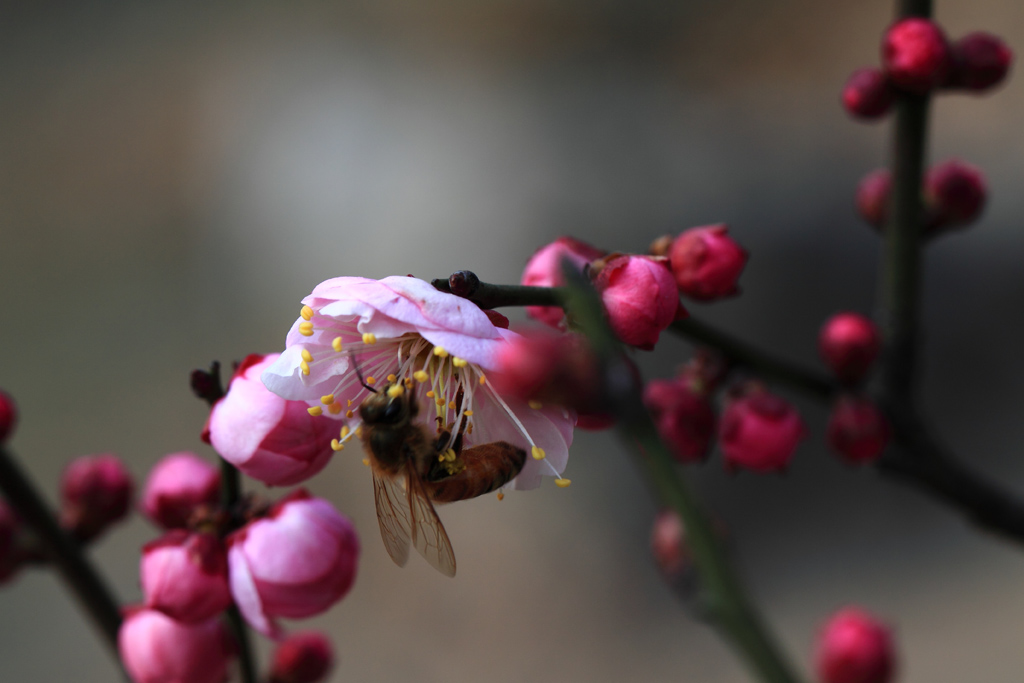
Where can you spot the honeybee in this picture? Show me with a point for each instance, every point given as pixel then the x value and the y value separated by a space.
pixel 403 451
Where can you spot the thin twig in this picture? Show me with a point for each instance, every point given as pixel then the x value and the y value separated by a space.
pixel 231 487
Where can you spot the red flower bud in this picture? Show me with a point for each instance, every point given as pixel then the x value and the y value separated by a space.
pixel 854 647
pixel 544 269
pixel 640 298
pixel 96 491
pixel 916 55
pixel 857 429
pixel 8 416
pixel 158 649
pixel 185 576
pixel 868 94
pixel 849 344
pixel 668 543
pixel 955 193
pixel 980 61
pixel 302 658
pixel 176 486
pixel 760 431
pixel 683 416
pixel 873 197
pixel 707 263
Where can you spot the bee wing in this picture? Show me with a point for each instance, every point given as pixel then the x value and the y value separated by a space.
pixel 394 517
pixel 428 534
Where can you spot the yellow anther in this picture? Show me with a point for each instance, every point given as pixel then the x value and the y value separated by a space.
pixel 366 461
pixel 349 414
pixel 468 413
pixel 430 394
pixel 395 390
pixel 369 338
pixel 315 411
pixel 538 453
pixel 449 455
pixel 460 362
pixel 327 400
pixel 344 431
pixel 336 344
pixel 371 380
pixel 304 366
pixel 306 329
pixel 334 408
pixel 407 382
pixel 536 405
pixel 469 430
pixel 349 404
pixel 483 380
pixel 306 313
pixel 440 352
pixel 562 483
pixel 440 458
pixel 421 376
pixel 501 496
pixel 307 356
pixel 451 405
pixel 392 378
pixel 337 445
pixel 359 430
pixel 439 401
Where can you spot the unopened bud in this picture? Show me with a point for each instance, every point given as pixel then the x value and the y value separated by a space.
pixel 980 61
pixel 868 94
pixel 873 197
pixel 854 647
pixel 760 431
pixel 668 543
pixel 544 269
pixel 302 658
pixel 684 417
pixel 463 283
pixel 185 576
pixel 857 429
pixel 157 649
pixel 177 485
pixel 955 193
pixel 640 297
pixel 206 383
pixel 96 491
pixel 849 344
pixel 916 55
pixel 8 416
pixel 707 263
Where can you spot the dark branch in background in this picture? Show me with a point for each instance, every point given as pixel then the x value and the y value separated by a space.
pixel 65 553
pixel 916 457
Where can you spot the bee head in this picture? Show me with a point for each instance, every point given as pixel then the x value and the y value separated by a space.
pixel 390 406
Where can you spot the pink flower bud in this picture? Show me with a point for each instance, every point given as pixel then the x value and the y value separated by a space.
pixel 96 491
pixel 867 94
pixel 176 486
pixel 760 431
pixel 265 436
pixel 296 562
pixel 668 543
pixel 849 344
pixel 980 61
pixel 640 298
pixel 854 647
pixel 707 263
pixel 916 55
pixel 302 658
pixel 544 269
pixel 158 649
pixel 684 418
pixel 873 197
pixel 955 193
pixel 8 416
pixel 857 429
pixel 185 576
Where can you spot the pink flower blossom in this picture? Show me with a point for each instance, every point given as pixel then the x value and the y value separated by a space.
pixel 640 297
pixel 296 562
pixel 176 486
pixel 436 343
pixel 544 269
pixel 185 576
pixel 158 649
pixel 268 438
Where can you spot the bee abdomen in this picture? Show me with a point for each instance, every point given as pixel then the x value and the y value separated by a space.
pixel 488 467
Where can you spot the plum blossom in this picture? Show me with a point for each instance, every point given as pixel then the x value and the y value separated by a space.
pixel 401 329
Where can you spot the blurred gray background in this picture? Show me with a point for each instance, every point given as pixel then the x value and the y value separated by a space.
pixel 174 178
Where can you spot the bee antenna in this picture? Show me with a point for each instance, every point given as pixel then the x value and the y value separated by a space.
pixel 359 374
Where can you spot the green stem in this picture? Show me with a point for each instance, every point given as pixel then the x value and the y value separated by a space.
pixel 65 553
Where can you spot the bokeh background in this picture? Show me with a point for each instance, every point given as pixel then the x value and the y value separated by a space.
pixel 175 177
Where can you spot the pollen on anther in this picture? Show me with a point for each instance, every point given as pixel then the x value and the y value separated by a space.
pixel 327 400
pixel 430 394
pixel 391 378
pixel 336 344
pixel 369 338
pixel 306 329
pixel 337 445
pixel 304 366
pixel 501 496
pixel 440 352
pixel 460 362
pixel 366 461
pixel 395 390
pixel 334 408
pixel 538 453
pixel 407 382
pixel 536 405
pixel 306 313
pixel 451 405
pixel 359 430
pixel 349 414
pixel 562 483
pixel 468 413
pixel 439 401
pixel 315 411
pixel 307 356
pixel 421 376
pixel 344 431
pixel 483 380
pixel 371 380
